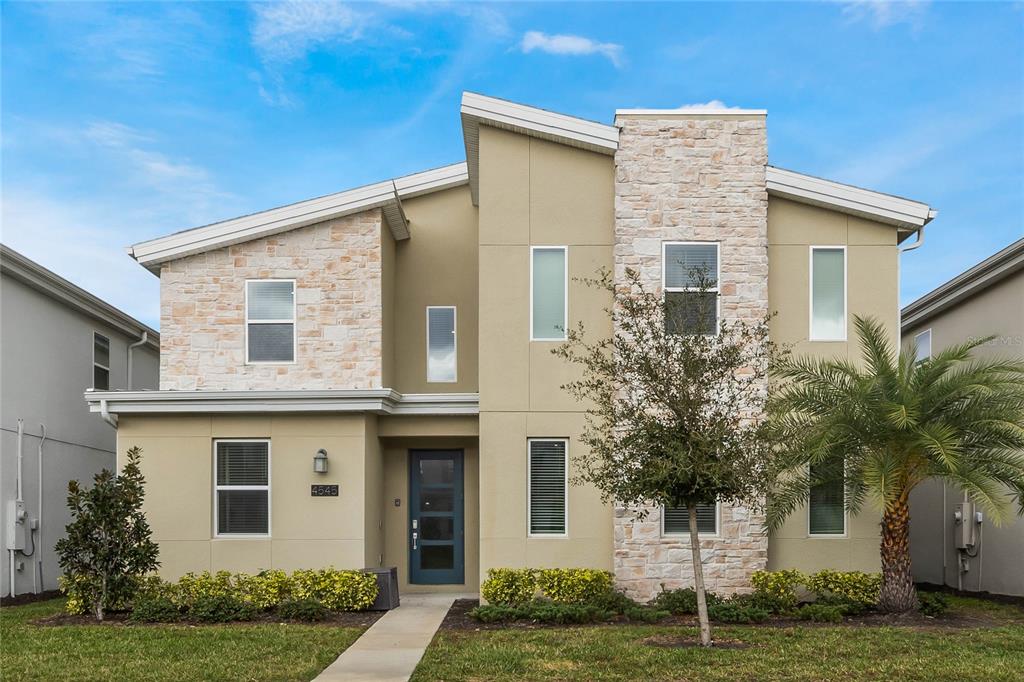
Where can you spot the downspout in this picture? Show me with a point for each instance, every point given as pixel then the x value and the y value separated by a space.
pixel 39 516
pixel 17 490
pixel 105 413
pixel 918 243
pixel 141 342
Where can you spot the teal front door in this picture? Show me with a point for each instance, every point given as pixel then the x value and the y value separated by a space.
pixel 436 530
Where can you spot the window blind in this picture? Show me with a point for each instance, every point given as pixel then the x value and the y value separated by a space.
pixel 684 263
pixel 825 514
pixel 548 304
pixel 828 294
pixel 547 487
pixel 677 520
pixel 441 362
pixel 242 487
pixel 691 312
pixel 271 300
pixel 270 321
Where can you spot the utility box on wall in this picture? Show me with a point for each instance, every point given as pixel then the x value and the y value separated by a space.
pixel 17 525
pixel 963 526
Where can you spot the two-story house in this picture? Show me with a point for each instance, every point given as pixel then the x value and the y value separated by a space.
pixel 366 378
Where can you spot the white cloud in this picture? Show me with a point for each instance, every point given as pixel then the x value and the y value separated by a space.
pixel 570 45
pixel 884 13
pixel 284 31
pixel 710 104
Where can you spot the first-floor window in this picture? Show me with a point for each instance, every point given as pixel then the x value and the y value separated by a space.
pixel 242 487
pixel 548 469
pixel 100 362
pixel 826 506
pixel 270 320
pixel 676 520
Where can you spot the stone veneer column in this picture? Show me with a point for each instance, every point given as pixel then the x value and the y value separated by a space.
pixel 693 176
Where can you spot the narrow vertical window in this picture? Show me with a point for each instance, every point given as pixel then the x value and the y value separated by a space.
pixel 826 512
pixel 548 469
pixel 548 289
pixel 270 321
pixel 923 344
pixel 676 520
pixel 441 347
pixel 100 362
pixel 242 487
pixel 828 293
pixel 690 282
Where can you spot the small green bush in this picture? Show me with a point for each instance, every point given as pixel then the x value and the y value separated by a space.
pixel 509 586
pixel 738 609
pixel 263 590
pixel 194 587
pixel 682 601
pixel 849 607
pixel 573 585
pixel 309 610
pixel 851 585
pixel 337 590
pixel 221 608
pixel 541 611
pixel 933 604
pixel 154 608
pixel 778 588
pixel 614 600
pixel 645 615
pixel 821 613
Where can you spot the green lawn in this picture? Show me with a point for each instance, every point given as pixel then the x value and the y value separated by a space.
pixel 180 653
pixel 992 652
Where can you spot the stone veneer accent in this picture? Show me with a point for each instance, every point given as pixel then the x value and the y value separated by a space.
pixel 693 177
pixel 337 268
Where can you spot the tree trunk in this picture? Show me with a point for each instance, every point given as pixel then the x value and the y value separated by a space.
pixel 898 594
pixel 698 578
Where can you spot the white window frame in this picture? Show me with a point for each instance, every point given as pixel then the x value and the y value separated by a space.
pixel 293 322
pixel 829 536
pixel 455 340
pixel 565 289
pixel 718 526
pixel 217 488
pixel 810 292
pixel 917 343
pixel 529 511
pixel 665 289
pixel 95 364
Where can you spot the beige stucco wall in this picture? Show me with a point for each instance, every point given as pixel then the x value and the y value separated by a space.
pixel 337 268
pixel 534 192
pixel 872 290
pixel 437 266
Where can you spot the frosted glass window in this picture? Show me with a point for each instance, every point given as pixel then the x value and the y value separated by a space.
pixel 547 321
pixel 923 342
pixel 828 294
pixel 441 352
pixel 270 321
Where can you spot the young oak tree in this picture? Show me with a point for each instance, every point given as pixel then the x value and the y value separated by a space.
pixel 674 409
pixel 108 545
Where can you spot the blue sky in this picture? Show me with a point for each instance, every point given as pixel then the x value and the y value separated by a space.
pixel 123 122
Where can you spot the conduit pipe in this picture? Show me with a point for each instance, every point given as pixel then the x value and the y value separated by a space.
pixel 17 490
pixel 39 517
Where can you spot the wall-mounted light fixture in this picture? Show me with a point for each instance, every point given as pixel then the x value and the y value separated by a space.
pixel 320 461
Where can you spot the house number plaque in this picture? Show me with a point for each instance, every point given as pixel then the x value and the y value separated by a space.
pixel 323 490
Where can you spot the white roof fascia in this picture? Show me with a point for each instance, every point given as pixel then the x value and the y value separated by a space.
pixel 689 113
pixel 480 110
pixel 276 220
pixel 884 208
pixel 378 401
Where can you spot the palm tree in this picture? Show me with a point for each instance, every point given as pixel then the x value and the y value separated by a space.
pixel 887 425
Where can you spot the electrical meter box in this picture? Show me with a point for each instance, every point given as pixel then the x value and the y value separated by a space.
pixel 17 524
pixel 963 526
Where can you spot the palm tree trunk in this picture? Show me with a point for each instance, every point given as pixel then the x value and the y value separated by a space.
pixel 698 578
pixel 898 594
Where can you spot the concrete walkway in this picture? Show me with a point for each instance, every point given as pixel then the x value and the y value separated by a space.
pixel 393 646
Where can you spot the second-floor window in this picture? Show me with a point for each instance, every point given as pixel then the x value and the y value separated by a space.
pixel 270 321
pixel 100 362
pixel 828 293
pixel 923 344
pixel 548 291
pixel 441 351
pixel 690 282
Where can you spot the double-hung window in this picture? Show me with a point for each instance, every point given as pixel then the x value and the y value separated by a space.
pixel 100 362
pixel 548 470
pixel 923 344
pixel 441 348
pixel 270 321
pixel 241 487
pixel 826 513
pixel 548 292
pixel 828 293
pixel 676 520
pixel 690 281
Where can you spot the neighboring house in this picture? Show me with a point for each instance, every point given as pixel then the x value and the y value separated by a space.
pixel 56 340
pixel 405 330
pixel 987 300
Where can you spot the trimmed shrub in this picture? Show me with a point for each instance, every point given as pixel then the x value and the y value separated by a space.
pixel 613 600
pixel 264 590
pixel 738 609
pixel 848 606
pixel 337 590
pixel 821 613
pixel 194 587
pixel 221 608
pixel 682 601
pixel 309 610
pixel 777 588
pixel 645 615
pixel 573 585
pixel 509 586
pixel 541 611
pixel 933 604
pixel 851 585
pixel 154 608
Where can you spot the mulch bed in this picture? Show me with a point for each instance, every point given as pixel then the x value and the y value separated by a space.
pixel 29 598
pixel 120 619
pixel 458 618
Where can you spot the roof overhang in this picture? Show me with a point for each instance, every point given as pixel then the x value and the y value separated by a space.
pixel 56 287
pixel 387 196
pixel 983 275
pixel 378 401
